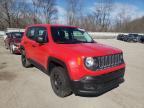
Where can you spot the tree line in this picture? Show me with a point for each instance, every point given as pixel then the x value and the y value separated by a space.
pixel 20 13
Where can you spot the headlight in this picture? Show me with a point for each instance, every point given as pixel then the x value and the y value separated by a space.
pixel 89 62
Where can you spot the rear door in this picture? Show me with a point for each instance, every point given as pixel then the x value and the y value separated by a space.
pixel 29 40
pixel 41 51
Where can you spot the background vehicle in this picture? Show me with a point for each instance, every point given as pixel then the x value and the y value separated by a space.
pixel 75 62
pixel 12 41
pixel 129 38
pixel 121 37
pixel 132 38
pixel 142 38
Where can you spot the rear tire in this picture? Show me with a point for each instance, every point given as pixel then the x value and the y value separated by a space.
pixel 60 82
pixel 24 60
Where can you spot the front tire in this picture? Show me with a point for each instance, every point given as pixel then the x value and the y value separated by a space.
pixel 24 60
pixel 60 82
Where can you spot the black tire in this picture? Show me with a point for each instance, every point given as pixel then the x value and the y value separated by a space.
pixel 11 49
pixel 60 82
pixel 24 60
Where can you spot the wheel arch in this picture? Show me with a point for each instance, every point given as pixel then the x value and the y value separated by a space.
pixel 52 62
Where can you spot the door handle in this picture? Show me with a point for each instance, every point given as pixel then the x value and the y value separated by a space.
pixel 33 46
pixel 25 42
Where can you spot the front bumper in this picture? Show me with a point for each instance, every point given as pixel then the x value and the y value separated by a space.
pixel 95 86
pixel 16 49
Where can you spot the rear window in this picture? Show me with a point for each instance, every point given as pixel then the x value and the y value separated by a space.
pixel 17 34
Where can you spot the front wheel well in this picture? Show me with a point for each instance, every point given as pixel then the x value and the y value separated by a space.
pixel 53 64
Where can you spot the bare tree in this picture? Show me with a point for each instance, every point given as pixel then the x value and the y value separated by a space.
pixel 35 11
pixel 6 11
pixel 99 19
pixel 46 9
pixel 122 20
pixel 74 11
pixel 102 13
pixel 18 13
pixel 13 12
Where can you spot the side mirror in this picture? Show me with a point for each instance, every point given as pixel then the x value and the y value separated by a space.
pixel 40 39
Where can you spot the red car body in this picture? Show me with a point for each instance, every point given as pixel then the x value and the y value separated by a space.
pixel 72 56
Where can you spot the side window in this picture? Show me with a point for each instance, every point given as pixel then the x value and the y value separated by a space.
pixel 31 33
pixel 42 31
pixel 78 35
pixel 66 35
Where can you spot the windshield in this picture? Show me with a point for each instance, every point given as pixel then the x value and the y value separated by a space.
pixel 17 34
pixel 68 35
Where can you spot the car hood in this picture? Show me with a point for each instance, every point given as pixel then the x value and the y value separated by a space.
pixel 90 49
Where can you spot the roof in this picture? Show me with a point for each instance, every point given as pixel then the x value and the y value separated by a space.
pixel 54 25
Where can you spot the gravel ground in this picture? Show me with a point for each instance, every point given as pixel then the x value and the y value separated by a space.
pixel 30 88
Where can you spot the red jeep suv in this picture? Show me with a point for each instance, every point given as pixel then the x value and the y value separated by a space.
pixel 73 60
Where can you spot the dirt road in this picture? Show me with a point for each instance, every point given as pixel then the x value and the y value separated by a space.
pixel 30 88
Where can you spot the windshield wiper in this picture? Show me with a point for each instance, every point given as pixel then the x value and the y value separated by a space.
pixel 66 42
pixel 74 42
pixel 86 42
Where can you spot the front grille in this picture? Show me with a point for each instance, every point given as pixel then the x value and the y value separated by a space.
pixel 104 62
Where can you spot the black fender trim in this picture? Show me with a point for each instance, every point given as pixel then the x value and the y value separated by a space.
pixel 59 62
pixel 39 66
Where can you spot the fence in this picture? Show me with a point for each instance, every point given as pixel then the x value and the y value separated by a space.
pixel 107 35
pixel 2 33
pixel 14 30
pixel 104 35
